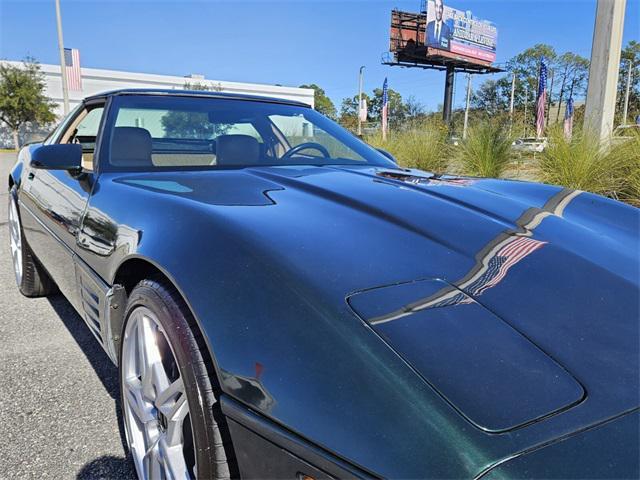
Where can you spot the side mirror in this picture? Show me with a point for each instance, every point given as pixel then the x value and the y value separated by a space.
pixel 64 156
pixel 388 155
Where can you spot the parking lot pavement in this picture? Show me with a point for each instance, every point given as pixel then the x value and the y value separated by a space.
pixel 58 389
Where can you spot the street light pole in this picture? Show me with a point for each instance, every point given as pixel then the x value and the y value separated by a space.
pixel 526 101
pixel 466 111
pixel 360 75
pixel 513 94
pixel 63 70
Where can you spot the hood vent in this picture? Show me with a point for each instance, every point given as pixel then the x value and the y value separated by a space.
pixel 490 372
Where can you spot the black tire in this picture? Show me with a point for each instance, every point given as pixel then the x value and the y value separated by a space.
pixel 34 281
pixel 207 423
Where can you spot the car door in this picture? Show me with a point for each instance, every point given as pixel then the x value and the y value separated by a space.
pixel 55 200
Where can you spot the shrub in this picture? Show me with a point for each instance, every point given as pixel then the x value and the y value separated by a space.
pixel 627 155
pixel 486 152
pixel 420 146
pixel 584 163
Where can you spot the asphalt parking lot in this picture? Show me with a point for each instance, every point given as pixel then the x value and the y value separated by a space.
pixel 58 389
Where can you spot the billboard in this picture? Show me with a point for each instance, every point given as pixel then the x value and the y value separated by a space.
pixel 459 32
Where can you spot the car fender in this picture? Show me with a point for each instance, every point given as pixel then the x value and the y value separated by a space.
pixel 283 343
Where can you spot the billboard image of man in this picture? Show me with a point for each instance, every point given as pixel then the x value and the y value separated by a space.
pixel 438 33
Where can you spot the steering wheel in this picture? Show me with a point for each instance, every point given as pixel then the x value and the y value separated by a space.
pixel 304 146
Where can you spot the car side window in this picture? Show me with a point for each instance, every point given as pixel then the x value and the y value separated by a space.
pixel 84 130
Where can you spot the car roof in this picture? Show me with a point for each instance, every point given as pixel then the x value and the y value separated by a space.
pixel 194 93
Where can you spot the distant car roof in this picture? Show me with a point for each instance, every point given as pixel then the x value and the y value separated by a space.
pixel 195 93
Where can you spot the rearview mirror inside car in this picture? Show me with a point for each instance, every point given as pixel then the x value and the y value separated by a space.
pixel 67 156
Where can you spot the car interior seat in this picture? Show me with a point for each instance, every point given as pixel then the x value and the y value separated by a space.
pixel 131 147
pixel 237 150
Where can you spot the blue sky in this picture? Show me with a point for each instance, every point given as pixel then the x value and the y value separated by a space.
pixel 286 42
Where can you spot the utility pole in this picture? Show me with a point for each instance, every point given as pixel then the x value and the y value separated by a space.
pixel 513 94
pixel 63 69
pixel 625 110
pixel 360 75
pixel 466 111
pixel 605 67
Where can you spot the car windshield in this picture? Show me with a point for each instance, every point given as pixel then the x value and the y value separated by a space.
pixel 156 132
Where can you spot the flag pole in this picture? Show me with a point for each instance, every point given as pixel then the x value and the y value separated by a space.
pixel 63 69
pixel 385 110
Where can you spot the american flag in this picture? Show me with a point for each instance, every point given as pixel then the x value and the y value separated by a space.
pixel 72 67
pixel 385 109
pixel 494 267
pixel 542 98
pixel 498 265
pixel 568 119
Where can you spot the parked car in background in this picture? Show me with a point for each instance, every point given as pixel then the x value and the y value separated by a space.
pixel 626 131
pixel 530 144
pixel 284 301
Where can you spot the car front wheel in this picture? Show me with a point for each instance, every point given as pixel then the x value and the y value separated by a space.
pixel 167 397
pixel 31 278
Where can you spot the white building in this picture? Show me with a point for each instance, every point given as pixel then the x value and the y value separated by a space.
pixel 97 80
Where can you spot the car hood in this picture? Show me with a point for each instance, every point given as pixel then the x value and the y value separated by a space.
pixel 609 450
pixel 552 272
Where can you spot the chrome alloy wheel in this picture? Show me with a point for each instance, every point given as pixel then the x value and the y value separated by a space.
pixel 156 412
pixel 16 238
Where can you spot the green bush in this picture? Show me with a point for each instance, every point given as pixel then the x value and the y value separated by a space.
pixel 627 155
pixel 420 146
pixel 584 163
pixel 486 152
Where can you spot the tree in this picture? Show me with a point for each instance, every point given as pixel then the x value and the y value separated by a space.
pixel 396 110
pixel 490 97
pixel 630 57
pixel 349 111
pixel 526 66
pixel 190 124
pixel 415 111
pixel 195 125
pixel 573 73
pixel 323 104
pixel 22 98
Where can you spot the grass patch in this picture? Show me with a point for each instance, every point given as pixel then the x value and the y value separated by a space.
pixel 627 155
pixel 420 146
pixel 584 163
pixel 486 152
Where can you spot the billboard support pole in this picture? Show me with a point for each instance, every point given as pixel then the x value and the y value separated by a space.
pixel 448 94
